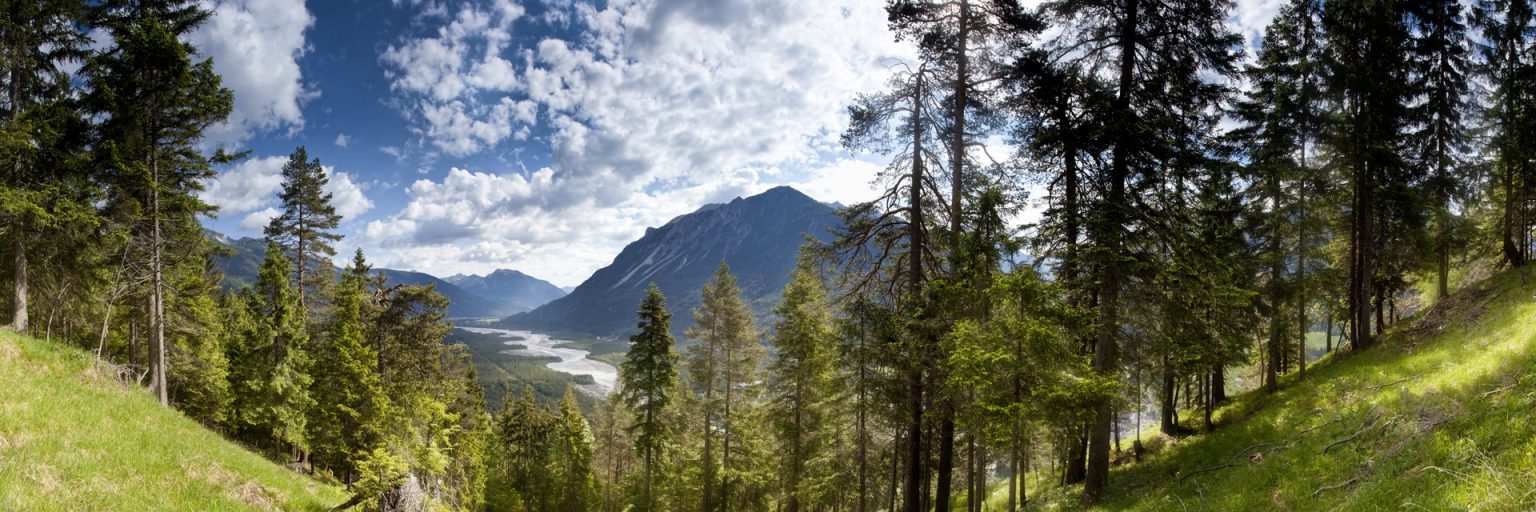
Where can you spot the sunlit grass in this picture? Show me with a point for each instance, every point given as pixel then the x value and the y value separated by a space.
pixel 1438 416
pixel 72 439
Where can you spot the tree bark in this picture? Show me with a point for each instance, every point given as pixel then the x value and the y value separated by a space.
pixel 19 259
pixel 1105 354
pixel 913 502
pixel 156 295
pixel 1167 406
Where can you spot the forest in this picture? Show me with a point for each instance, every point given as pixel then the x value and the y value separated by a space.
pixel 1206 212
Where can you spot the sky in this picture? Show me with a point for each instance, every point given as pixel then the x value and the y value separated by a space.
pixel 543 135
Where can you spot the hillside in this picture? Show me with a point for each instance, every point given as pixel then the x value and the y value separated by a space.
pixel 72 439
pixel 757 236
pixel 1436 417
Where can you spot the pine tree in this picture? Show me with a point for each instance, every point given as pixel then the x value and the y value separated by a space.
pixel 349 400
pixel 886 246
pixel 1508 65
pixel 1366 73
pixel 272 380
pixel 1160 56
pixel 572 458
pixel 721 363
pixel 154 100
pixel 648 376
pixel 39 131
pixel 1441 78
pixel 799 376
pixel 306 226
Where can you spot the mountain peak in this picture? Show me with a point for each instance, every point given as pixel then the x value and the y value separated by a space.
pixel 758 236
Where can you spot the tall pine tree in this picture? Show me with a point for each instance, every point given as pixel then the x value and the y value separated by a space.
pixel 154 99
pixel 648 378
pixel 306 227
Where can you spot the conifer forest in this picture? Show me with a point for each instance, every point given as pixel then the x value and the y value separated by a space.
pixel 1114 254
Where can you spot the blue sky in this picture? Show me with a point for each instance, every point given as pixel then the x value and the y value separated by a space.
pixel 543 135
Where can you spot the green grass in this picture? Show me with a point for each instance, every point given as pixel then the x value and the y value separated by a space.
pixel 1438 416
pixel 72 439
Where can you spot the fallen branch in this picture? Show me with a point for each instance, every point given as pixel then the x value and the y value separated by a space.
pixel 1395 382
pixel 1230 462
pixel 1206 470
pixel 1335 487
pixel 1320 425
pixel 1497 391
pixel 1363 426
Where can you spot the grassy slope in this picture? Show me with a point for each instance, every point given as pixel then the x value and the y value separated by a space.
pixel 71 439
pixel 1442 407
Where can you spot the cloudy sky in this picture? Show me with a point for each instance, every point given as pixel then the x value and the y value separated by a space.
pixel 543 135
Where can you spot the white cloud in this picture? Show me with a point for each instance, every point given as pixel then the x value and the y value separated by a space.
pixel 346 195
pixel 654 110
pixel 256 46
pixel 257 221
pixel 247 186
pixel 342 140
pixel 448 73
pixel 252 186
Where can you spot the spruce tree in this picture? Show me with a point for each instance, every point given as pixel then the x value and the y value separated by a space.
pixel 648 377
pixel 1161 57
pixel 39 131
pixel 154 99
pixel 306 227
pixel 272 377
pixel 1366 75
pixel 799 379
pixel 572 458
pixel 1508 65
pixel 1441 139
pixel 349 400
pixel 721 364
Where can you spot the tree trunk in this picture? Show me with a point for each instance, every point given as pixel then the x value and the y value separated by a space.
pixel 1105 353
pixel 1165 399
pixel 1219 384
pixel 1328 336
pixel 913 502
pixel 156 294
pixel 19 259
pixel 946 455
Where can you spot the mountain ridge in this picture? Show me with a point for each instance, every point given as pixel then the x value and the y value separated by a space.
pixel 758 236
pixel 245 255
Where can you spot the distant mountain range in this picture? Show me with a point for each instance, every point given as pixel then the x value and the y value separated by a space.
pixel 758 237
pixel 509 287
pixel 498 294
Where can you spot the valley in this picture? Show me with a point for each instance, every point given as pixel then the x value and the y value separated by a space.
pixel 601 376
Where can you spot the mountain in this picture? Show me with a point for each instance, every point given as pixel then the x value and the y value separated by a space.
pixel 243 259
pixel 758 237
pixel 509 287
pixel 73 437
pixel 461 302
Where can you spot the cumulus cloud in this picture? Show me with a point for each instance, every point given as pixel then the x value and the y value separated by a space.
pixel 346 195
pixel 342 140
pixel 256 46
pixel 654 109
pixel 251 186
pixel 257 221
pixel 449 72
pixel 247 186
